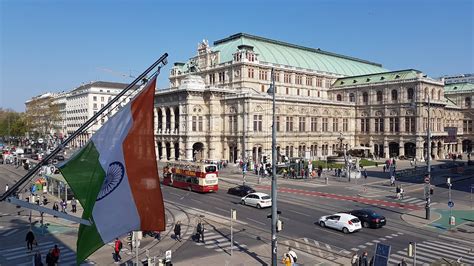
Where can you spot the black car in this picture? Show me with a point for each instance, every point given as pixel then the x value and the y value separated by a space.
pixel 240 190
pixel 369 218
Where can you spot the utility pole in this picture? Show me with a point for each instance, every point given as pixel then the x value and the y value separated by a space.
pixel 274 181
pixel 428 185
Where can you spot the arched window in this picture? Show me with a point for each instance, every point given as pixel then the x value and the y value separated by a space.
pixel 433 94
pixel 339 97
pixel 410 94
pixel 467 102
pixel 379 96
pixel 394 95
pixel 426 93
pixel 365 97
pixel 439 95
pixel 351 97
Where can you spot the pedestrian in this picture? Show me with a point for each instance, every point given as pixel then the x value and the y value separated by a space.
pixel 55 208
pixel 401 192
pixel 392 181
pixel 74 205
pixel 397 191
pixel 177 231
pixel 365 174
pixel 384 168
pixel 63 206
pixel 6 187
pixel 402 263
pixel 38 259
pixel 50 258
pixel 354 259
pixel 30 239
pixel 363 261
pixel 56 252
pixel 293 255
pixel 200 231
pixel 117 248
pixel 286 259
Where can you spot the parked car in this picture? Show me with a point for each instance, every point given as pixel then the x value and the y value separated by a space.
pixel 241 191
pixel 369 218
pixel 345 222
pixel 257 199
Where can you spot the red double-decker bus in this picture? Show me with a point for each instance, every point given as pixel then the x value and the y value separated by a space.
pixel 198 177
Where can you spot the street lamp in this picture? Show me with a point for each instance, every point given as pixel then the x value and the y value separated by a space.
pixel 428 184
pixel 272 90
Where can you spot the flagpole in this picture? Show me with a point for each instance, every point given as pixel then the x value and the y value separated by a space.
pixel 15 186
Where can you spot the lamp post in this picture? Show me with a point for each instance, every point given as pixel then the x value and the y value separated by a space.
pixel 428 184
pixel 272 91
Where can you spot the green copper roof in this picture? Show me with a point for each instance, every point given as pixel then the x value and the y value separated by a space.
pixel 450 103
pixel 282 53
pixel 459 88
pixel 377 78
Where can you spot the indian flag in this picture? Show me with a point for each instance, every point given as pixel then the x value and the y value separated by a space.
pixel 115 177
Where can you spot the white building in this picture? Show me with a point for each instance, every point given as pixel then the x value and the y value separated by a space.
pixel 461 78
pixel 85 101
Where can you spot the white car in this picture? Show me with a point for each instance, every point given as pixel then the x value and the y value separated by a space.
pixel 341 221
pixel 257 199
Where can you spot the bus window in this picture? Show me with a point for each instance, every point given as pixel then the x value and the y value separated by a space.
pixel 211 168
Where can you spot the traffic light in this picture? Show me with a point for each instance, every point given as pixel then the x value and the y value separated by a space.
pixel 264 159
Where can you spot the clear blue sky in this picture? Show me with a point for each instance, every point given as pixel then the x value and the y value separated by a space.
pixel 55 45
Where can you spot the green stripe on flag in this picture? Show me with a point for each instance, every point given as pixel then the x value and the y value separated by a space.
pixel 85 176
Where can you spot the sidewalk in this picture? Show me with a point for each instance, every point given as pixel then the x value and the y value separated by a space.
pixel 439 221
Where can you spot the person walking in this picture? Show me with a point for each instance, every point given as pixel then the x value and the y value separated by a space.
pixel 363 261
pixel 401 192
pixel 55 208
pixel 355 259
pixel 177 231
pixel 392 181
pixel 30 239
pixel 50 258
pixel 117 248
pixel 365 174
pixel 56 252
pixel 6 187
pixel 63 206
pixel 403 263
pixel 74 205
pixel 200 231
pixel 38 259
pixel 384 168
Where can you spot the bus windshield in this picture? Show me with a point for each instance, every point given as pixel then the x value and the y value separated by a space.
pixel 210 168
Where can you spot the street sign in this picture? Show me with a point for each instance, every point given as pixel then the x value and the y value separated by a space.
pixel 382 254
pixel 40 141
pixel 450 204
pixel 427 179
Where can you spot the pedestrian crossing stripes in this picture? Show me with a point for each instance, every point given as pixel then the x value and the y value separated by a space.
pixel 21 256
pixel 375 241
pixel 415 201
pixel 428 252
pixel 218 242
pixel 9 232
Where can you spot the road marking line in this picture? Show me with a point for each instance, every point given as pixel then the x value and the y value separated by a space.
pixel 307 215
pixel 355 249
pixel 175 194
pixel 394 234
pixel 297 245
pixel 198 201
pixel 382 239
pixel 10 232
pixel 256 221
pixel 369 243
pixel 376 241
pixel 455 240
pixel 389 236
pixel 362 246
pixel 224 210
pixel 454 246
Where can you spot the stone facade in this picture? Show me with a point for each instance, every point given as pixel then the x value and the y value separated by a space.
pixel 217 109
